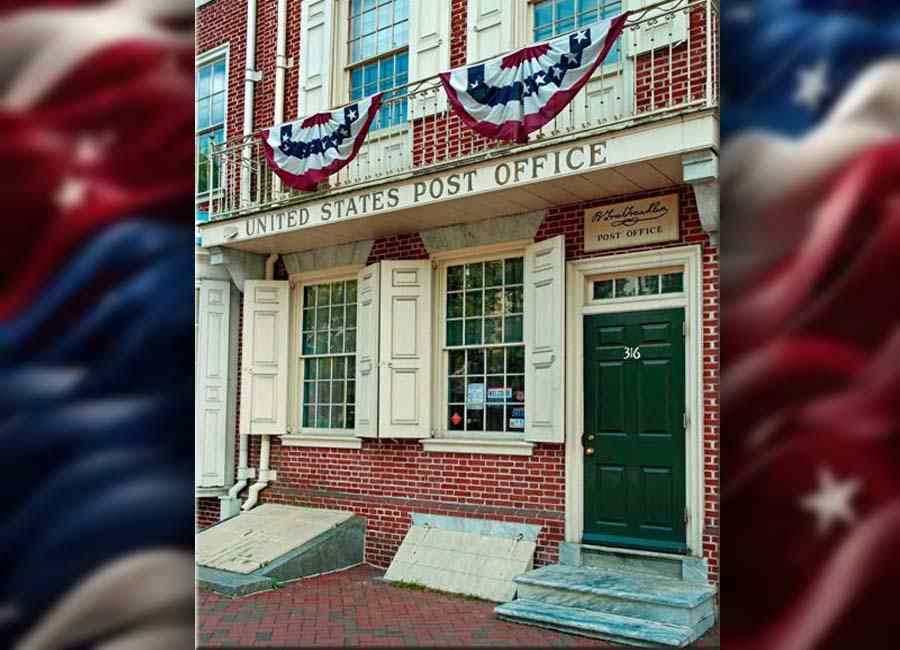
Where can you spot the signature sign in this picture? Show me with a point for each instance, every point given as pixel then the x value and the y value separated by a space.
pixel 631 223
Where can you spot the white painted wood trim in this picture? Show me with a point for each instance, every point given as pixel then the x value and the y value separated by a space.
pixel 203 493
pixel 473 446
pixel 577 272
pixel 336 441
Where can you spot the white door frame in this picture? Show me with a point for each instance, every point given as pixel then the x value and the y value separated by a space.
pixel 578 306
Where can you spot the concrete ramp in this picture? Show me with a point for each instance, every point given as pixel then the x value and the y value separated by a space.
pixel 476 557
pixel 276 543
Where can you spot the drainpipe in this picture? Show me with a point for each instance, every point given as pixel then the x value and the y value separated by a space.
pixel 250 78
pixel 266 443
pixel 281 65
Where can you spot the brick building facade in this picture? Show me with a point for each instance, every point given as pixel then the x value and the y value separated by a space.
pixel 666 100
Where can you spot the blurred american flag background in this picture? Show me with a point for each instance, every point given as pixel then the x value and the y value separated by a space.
pixel 810 390
pixel 96 312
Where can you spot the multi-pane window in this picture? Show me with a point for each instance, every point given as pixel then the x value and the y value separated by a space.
pixel 329 355
pixel 379 55
pixel 211 98
pixel 651 283
pixel 555 17
pixel 485 350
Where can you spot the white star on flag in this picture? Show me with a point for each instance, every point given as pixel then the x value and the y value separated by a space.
pixel 581 36
pixel 812 84
pixel 831 502
pixel 71 193
pixel 352 113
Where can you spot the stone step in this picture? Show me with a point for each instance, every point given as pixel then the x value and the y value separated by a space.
pixel 683 567
pixel 635 595
pixel 600 625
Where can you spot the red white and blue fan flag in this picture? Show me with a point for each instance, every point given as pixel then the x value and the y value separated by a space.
pixel 307 151
pixel 510 96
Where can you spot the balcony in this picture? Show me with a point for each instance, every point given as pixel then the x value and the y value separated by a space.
pixel 666 64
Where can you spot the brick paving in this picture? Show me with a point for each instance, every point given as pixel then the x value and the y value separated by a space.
pixel 356 608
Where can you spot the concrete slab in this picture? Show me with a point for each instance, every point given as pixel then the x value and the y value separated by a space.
pixel 256 538
pixel 475 557
pixel 278 544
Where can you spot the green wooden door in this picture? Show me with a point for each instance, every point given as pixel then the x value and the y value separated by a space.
pixel 634 484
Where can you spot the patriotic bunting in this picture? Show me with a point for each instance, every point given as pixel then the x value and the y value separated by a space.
pixel 305 152
pixel 510 96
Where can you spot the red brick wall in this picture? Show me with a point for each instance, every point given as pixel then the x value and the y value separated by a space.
pixel 217 23
pixel 399 247
pixel 207 511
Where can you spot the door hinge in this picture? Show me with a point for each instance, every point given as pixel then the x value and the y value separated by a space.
pixel 684 328
pixel 684 419
pixel 686 516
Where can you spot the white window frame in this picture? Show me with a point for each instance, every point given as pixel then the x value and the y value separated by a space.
pixel 578 274
pixel 205 58
pixel 299 436
pixel 443 439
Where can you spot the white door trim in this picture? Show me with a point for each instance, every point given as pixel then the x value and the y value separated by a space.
pixel 577 273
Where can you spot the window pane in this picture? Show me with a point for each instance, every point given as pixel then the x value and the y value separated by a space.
pixel 474 420
pixel 351 291
pixel 457 362
pixel 475 365
pixel 495 418
pixel 454 278
pixel 513 329
pixel 337 316
pixel 322 319
pixel 493 330
pixel 351 416
pixel 337 417
pixel 401 9
pixel 322 420
pixel 454 332
pixel 626 287
pixel 543 14
pixel 515 301
pixel 309 296
pixel 517 384
pixel 456 392
pixel 323 392
pixel 309 343
pixel 203 113
pixel 324 368
pixel 648 285
pixel 603 289
pixel 514 270
pixel 309 416
pixel 473 303
pixel 495 363
pixel 309 392
pixel 401 34
pixel 493 273
pixel 454 305
pixel 218 109
pixel 351 341
pixel 493 301
pixel 456 417
pixel 339 368
pixel 515 418
pixel 473 331
pixel 204 76
pixel 672 282
pixel 385 38
pixel 321 343
pixel 474 276
pixel 218 84
pixel 351 392
pixel 515 360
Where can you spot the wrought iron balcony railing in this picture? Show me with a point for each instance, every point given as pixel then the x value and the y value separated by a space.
pixel 666 61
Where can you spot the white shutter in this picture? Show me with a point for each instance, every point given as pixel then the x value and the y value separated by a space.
pixel 317 45
pixel 490 29
pixel 405 385
pixel 367 342
pixel 210 422
pixel 429 39
pixel 545 340
pixel 264 358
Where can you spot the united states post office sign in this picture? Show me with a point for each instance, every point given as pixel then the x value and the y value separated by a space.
pixel 631 223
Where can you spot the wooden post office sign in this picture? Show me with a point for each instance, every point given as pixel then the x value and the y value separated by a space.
pixel 631 223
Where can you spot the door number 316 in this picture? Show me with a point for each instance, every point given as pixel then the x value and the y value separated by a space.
pixel 633 353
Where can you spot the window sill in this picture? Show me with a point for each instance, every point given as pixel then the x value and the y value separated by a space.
pixel 474 446
pixel 205 492
pixel 321 440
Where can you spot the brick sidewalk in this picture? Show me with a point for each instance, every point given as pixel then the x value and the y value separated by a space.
pixel 356 608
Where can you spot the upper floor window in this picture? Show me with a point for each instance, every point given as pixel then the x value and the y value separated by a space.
pixel 211 98
pixel 555 17
pixel 379 55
